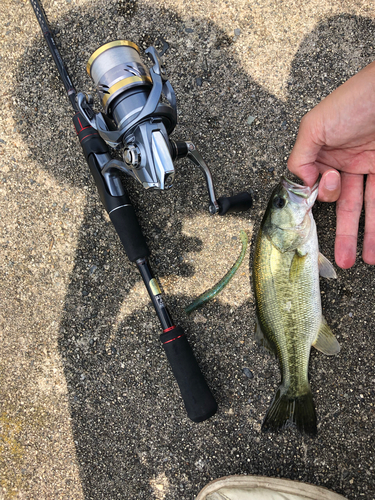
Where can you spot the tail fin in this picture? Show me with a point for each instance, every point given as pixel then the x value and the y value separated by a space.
pixel 286 411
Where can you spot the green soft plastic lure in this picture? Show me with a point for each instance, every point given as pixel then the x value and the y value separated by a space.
pixel 212 292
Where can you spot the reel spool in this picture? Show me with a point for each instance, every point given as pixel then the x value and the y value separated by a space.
pixel 135 119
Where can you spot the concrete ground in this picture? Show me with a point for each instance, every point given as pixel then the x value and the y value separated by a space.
pixel 89 408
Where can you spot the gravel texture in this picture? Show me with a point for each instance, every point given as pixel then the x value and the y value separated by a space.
pixel 89 408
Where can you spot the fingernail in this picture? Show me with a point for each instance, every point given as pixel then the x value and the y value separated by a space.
pixel 332 180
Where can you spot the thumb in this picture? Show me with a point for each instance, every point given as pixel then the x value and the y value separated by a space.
pixel 302 159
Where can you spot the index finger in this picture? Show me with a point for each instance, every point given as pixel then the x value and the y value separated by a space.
pixel 348 210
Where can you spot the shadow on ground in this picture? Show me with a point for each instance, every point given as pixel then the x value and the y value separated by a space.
pixel 129 424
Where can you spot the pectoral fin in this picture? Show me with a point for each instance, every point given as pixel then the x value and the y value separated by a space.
pixel 325 341
pixel 261 338
pixel 296 267
pixel 326 269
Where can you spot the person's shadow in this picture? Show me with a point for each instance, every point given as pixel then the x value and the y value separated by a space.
pixel 128 419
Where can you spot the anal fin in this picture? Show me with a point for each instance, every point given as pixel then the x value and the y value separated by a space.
pixel 325 341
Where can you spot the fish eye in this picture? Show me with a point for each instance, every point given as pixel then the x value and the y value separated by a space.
pixel 278 202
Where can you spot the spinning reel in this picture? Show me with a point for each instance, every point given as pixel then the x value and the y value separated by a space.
pixel 140 113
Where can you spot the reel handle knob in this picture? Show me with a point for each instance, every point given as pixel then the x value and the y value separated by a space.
pixel 179 149
pixel 237 203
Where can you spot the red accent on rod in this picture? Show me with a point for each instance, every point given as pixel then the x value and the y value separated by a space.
pixel 169 329
pixel 89 135
pixel 167 342
pixel 82 128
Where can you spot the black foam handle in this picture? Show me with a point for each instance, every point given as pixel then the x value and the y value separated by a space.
pixel 199 401
pixel 127 226
pixel 237 203
pixel 89 138
pixel 119 208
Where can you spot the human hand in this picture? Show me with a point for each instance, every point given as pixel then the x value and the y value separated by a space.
pixel 337 139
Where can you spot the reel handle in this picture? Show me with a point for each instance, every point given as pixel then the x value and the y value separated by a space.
pixel 199 401
pixel 238 203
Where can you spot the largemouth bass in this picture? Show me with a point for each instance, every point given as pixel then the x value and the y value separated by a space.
pixel 286 269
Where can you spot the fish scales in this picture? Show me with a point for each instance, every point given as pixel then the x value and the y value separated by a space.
pixel 290 308
pixel 287 293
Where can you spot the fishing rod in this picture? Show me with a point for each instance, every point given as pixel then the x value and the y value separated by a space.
pixel 138 122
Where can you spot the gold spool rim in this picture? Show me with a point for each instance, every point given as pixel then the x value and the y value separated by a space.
pixel 106 46
pixel 123 83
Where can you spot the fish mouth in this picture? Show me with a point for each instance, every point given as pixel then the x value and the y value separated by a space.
pixel 300 193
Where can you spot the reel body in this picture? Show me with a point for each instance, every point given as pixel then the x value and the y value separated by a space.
pixel 140 114
pixel 136 121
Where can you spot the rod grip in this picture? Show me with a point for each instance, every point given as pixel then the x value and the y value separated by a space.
pixel 119 208
pixel 199 401
pixel 129 231
pixel 238 203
